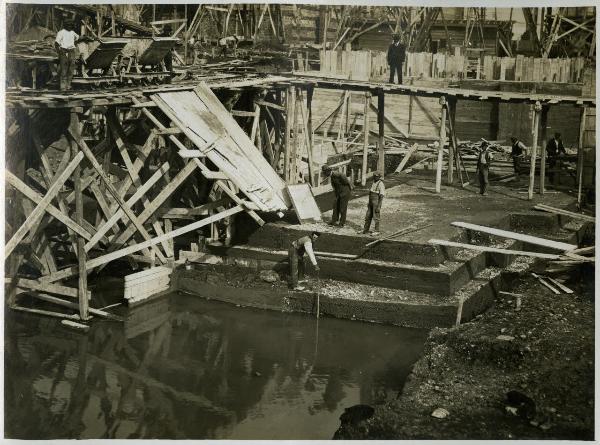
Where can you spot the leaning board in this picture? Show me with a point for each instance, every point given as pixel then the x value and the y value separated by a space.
pixel 207 123
pixel 304 203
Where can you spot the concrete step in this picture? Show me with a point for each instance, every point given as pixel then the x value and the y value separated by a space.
pixel 278 236
pixel 441 279
pixel 342 299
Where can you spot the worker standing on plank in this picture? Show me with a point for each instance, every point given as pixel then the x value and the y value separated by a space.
pixel 517 153
pixel 376 195
pixel 395 57
pixel 483 166
pixel 296 258
pixel 554 148
pixel 65 47
pixel 342 188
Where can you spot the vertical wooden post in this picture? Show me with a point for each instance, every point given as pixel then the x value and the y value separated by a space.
pixel 363 179
pixel 543 125
pixel 295 140
pixel 381 142
pixel 309 96
pixel 452 145
pixel 440 159
pixel 82 285
pixel 290 105
pixel 536 120
pixel 580 154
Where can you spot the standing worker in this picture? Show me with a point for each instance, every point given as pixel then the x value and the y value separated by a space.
pixel 376 194
pixel 65 47
pixel 554 148
pixel 395 58
pixel 517 153
pixel 483 166
pixel 342 188
pixel 296 258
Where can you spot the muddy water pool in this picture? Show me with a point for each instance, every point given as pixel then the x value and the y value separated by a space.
pixel 186 368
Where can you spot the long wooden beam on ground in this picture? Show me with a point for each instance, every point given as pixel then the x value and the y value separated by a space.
pixel 574 215
pixel 517 236
pixel 440 242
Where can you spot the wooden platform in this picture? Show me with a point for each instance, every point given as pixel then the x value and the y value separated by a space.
pixel 458 93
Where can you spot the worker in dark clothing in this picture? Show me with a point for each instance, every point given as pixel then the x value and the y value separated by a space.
pixel 342 188
pixel 395 58
pixel 554 148
pixel 296 258
pixel 517 153
pixel 483 166
pixel 376 195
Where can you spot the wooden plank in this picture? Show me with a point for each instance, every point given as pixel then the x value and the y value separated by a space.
pixel 48 287
pixel 111 189
pixel 35 216
pixel 46 313
pixel 81 254
pixel 37 198
pixel 406 157
pixel 493 249
pixel 574 215
pixel 517 236
pixel 304 203
pixel 365 153
pixel 130 202
pixel 70 271
pixel 535 124
pixel 151 273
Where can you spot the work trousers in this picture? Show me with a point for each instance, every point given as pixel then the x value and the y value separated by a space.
pixel 396 68
pixel 517 164
pixel 373 211
pixel 484 171
pixel 66 65
pixel 296 261
pixel 340 207
pixel 551 167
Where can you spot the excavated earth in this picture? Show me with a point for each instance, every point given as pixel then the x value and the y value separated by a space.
pixel 545 351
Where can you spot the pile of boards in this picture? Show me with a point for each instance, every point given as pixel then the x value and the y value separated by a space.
pixel 142 285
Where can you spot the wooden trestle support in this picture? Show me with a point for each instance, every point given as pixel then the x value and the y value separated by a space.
pixel 92 185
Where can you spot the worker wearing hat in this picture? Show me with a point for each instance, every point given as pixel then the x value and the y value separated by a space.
pixel 299 247
pixel 484 160
pixel 342 189
pixel 376 194
pixel 65 47
pixel 395 57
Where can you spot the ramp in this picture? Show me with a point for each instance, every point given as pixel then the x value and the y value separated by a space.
pixel 208 125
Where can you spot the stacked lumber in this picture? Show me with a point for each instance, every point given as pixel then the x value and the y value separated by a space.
pixel 142 285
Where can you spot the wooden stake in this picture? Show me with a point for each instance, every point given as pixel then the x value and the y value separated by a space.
pixel 452 146
pixel 381 142
pixel 290 103
pixel 536 116
pixel 580 154
pixel 544 124
pixel 81 258
pixel 363 178
pixel 440 159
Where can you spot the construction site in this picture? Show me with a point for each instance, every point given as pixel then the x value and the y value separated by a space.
pixel 295 221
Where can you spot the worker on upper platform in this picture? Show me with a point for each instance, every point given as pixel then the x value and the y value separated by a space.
pixel 395 57
pixel 517 152
pixel 296 258
pixel 65 47
pixel 376 195
pixel 342 189
pixel 484 159
pixel 554 148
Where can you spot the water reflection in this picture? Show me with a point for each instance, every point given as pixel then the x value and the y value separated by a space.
pixel 185 368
